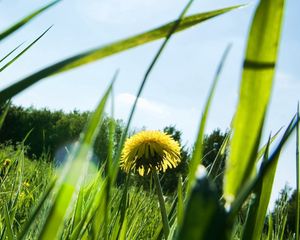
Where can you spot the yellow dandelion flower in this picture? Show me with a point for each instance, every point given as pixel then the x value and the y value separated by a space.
pixel 150 150
pixel 6 162
pixel 26 184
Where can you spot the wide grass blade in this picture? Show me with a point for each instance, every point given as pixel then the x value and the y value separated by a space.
pixel 78 160
pixel 25 50
pixel 297 177
pixel 203 217
pixel 108 50
pixel 197 153
pixel 255 90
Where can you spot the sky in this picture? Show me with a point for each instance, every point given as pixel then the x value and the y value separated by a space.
pixel 177 87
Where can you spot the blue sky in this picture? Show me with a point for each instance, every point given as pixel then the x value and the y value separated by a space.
pixel 177 87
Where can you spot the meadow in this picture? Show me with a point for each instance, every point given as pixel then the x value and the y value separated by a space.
pixel 80 199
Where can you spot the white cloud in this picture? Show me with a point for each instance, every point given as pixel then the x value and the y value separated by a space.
pixel 147 106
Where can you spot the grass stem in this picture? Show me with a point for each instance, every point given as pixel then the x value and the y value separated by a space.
pixel 162 206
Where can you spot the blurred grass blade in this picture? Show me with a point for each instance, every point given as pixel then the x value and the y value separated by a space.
pixel 123 229
pixel 4 112
pixel 23 51
pixel 25 20
pixel 270 228
pixel 203 217
pixel 8 224
pixel 265 168
pixel 108 50
pixel 255 90
pixel 36 211
pixel 79 160
pixel 257 214
pixel 197 153
pixel 11 52
pixel 297 177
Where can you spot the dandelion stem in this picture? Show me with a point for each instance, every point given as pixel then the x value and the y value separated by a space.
pixel 161 205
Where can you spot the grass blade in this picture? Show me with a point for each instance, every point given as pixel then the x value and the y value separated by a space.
pixel 23 51
pixel 25 20
pixel 108 50
pixel 202 214
pixel 37 210
pixel 79 161
pixel 180 209
pixel 264 169
pixel 4 112
pixel 11 52
pixel 255 90
pixel 197 154
pixel 257 214
pixel 8 224
pixel 297 176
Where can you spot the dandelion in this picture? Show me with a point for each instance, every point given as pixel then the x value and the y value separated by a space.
pixel 6 162
pixel 150 150
pixel 26 184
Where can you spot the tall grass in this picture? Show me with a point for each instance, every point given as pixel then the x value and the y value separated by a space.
pixel 79 202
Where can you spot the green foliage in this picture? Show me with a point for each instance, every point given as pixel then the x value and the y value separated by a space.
pixel 51 131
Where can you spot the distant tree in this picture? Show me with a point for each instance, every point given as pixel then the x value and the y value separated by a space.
pixel 280 214
pixel 291 210
pixel 51 131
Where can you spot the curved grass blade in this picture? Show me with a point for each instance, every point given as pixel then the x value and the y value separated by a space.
pixel 108 50
pixel 11 52
pixel 23 51
pixel 79 160
pixel 255 90
pixel 25 20
pixel 197 154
